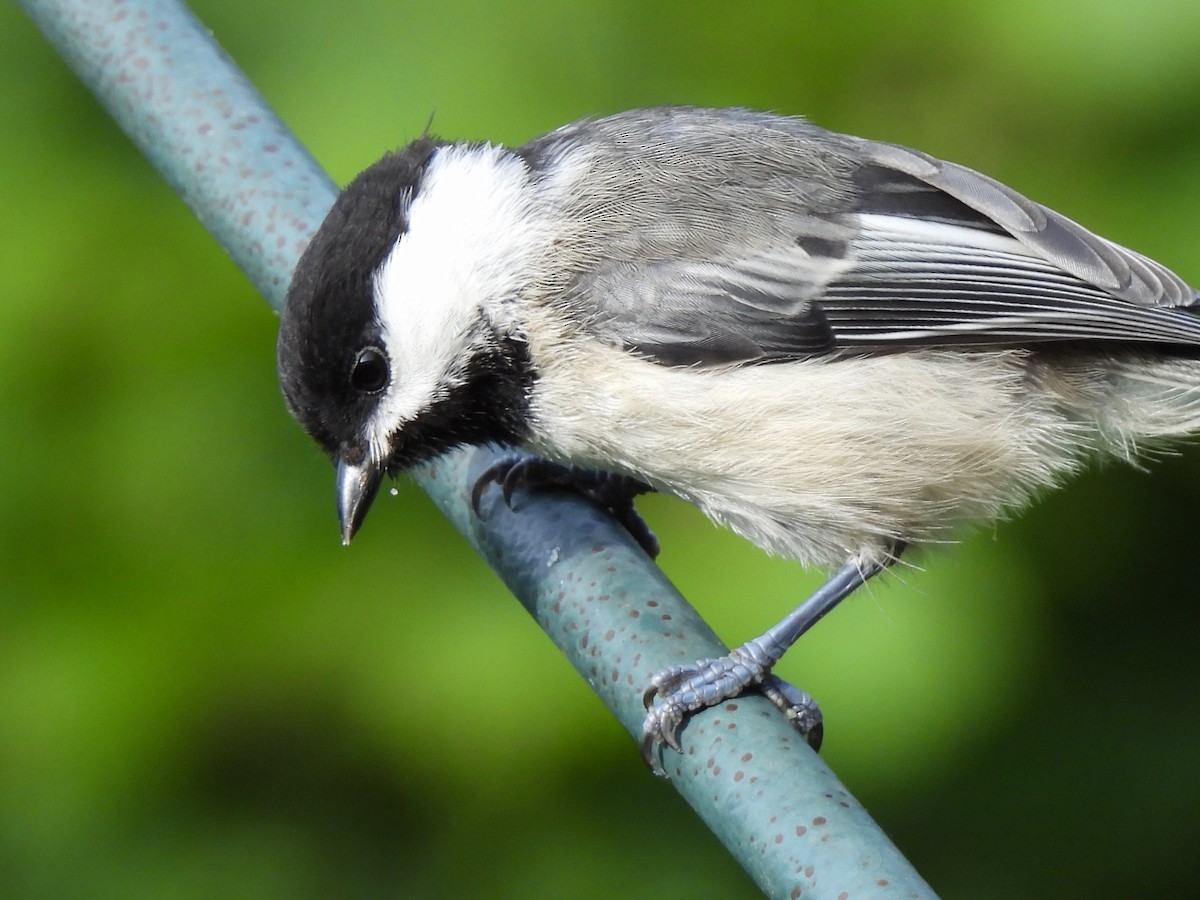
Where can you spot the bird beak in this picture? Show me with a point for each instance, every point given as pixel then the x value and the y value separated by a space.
pixel 356 487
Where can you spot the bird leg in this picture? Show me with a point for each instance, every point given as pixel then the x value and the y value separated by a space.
pixel 677 691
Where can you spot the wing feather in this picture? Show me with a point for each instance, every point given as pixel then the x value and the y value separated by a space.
pixel 1123 273
pixel 924 253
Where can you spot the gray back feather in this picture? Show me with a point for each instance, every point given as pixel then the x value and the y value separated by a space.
pixel 719 236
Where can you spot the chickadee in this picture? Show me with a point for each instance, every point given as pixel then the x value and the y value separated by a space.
pixel 836 347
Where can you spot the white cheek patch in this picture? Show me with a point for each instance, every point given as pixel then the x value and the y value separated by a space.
pixel 474 233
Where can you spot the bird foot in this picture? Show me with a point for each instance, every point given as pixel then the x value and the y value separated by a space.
pixel 609 490
pixel 678 691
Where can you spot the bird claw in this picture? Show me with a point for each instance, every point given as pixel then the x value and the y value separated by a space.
pixel 609 490
pixel 800 708
pixel 677 691
pixel 507 472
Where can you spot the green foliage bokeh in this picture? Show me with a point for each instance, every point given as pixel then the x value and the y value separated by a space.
pixel 202 694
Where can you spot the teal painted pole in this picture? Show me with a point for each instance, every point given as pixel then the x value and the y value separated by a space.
pixel 781 812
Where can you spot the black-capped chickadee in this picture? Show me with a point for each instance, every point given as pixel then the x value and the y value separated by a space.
pixel 837 347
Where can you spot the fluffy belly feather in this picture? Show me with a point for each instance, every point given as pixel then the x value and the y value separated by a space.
pixel 819 461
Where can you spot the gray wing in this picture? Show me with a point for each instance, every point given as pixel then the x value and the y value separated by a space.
pixel 926 254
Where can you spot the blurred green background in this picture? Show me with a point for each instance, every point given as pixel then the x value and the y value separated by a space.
pixel 203 695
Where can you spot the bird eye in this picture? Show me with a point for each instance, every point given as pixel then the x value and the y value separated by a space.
pixel 370 372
